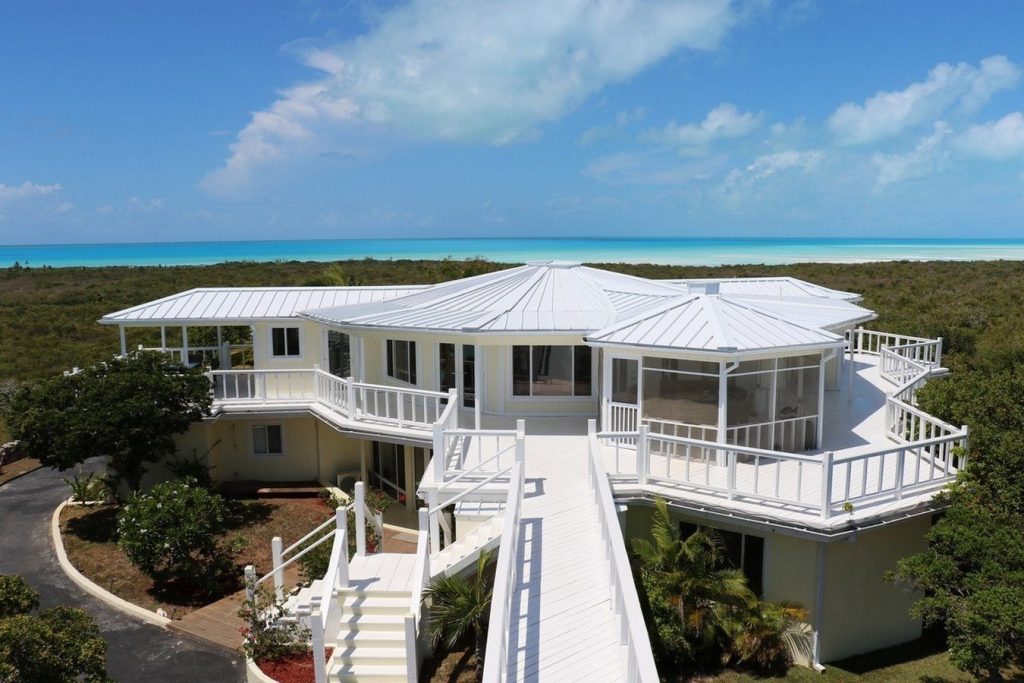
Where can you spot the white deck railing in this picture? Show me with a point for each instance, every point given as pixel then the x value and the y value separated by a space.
pixel 506 575
pixel 405 408
pixel 633 636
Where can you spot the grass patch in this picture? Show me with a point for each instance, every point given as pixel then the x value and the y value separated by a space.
pixel 90 538
pixel 920 661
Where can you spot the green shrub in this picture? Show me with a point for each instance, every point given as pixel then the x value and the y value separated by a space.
pixel 192 468
pixel 265 638
pixel 61 645
pixel 171 533
pixel 87 489
pixel 16 596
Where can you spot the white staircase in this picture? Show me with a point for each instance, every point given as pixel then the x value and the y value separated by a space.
pixel 371 638
pixel 465 551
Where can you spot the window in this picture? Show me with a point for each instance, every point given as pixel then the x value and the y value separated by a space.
pixel 387 469
pixel 402 360
pixel 741 551
pixel 339 354
pixel 552 371
pixel 284 342
pixel 267 440
pixel 625 380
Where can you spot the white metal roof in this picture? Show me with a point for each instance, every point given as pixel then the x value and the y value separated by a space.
pixel 712 323
pixel 211 305
pixel 541 296
pixel 812 311
pixel 779 287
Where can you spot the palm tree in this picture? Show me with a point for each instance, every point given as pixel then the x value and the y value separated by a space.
pixel 771 636
pixel 460 606
pixel 707 594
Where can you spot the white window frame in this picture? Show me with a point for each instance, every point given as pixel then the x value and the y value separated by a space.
pixel 594 376
pixel 286 355
pixel 412 356
pixel 252 441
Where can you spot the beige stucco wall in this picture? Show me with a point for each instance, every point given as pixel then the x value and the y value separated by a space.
pixel 861 612
pixel 310 345
pixel 312 449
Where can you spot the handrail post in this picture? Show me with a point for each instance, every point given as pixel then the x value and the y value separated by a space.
pixel 316 628
pixel 360 505
pixel 316 382
pixel 643 454
pixel 938 353
pixel 900 457
pixel 439 454
pixel 250 583
pixel 350 387
pixel 411 656
pixel 731 475
pixel 275 551
pixel 341 522
pixel 826 484
pixel 435 525
pixel 520 442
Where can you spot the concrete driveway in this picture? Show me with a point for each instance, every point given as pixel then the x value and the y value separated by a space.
pixel 138 652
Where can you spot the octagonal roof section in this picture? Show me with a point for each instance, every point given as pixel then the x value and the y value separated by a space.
pixel 538 297
pixel 711 323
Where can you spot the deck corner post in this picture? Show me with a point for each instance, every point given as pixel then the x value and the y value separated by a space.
pixel 901 456
pixel 411 656
pixel 731 474
pixel 124 342
pixel 350 386
pixel 317 637
pixel 435 524
pixel 250 583
pixel 276 546
pixel 643 454
pixel 521 442
pixel 938 353
pixel 360 518
pixel 439 454
pixel 826 484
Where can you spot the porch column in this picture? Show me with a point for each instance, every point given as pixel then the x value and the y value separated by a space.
pixel 124 344
pixel 723 404
pixel 821 396
pixel 184 345
pixel 478 383
pixel 163 338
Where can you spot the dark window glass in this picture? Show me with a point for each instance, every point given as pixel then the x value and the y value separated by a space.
pixel 292 335
pixel 401 360
pixel 552 371
pixel 740 551
pixel 446 358
pixel 277 338
pixel 468 376
pixel 274 441
pixel 339 359
pixel 753 563
pixel 520 370
pixel 391 358
pixel 410 348
pixel 582 371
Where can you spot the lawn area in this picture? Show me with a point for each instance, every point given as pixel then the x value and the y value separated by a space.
pixel 921 661
pixel 90 538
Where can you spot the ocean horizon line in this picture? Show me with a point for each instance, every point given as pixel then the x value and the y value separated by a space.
pixel 696 251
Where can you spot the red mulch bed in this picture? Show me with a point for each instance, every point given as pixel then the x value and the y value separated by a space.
pixel 294 669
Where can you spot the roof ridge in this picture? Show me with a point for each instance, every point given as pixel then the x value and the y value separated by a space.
pixel 787 321
pixel 711 306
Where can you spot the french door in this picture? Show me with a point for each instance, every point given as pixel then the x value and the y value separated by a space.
pixel 622 394
pixel 457 370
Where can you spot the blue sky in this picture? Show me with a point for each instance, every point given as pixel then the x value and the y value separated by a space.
pixel 128 121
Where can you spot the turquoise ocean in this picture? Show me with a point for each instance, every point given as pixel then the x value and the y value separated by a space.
pixel 686 251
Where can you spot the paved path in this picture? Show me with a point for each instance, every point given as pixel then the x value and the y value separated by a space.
pixel 138 652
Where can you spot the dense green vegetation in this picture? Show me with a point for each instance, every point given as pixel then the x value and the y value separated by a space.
pixel 973 573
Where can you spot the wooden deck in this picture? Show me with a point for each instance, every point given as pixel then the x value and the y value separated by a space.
pixel 562 626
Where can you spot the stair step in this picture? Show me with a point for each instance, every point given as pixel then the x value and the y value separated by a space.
pixel 372 593
pixel 374 604
pixel 373 622
pixel 355 673
pixel 370 639
pixel 371 656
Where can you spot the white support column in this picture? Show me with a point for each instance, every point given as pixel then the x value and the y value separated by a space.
pixel 478 384
pixel 124 343
pixel 819 608
pixel 821 396
pixel 360 505
pixel 184 345
pixel 276 546
pixel 723 404
pixel 163 338
pixel 220 336
pixel 435 525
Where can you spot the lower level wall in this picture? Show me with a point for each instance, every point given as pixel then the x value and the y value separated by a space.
pixel 312 450
pixel 859 610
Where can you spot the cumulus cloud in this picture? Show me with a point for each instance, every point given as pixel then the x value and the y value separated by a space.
pixel 995 140
pixel 769 164
pixel 887 114
pixel 927 157
pixel 11 193
pixel 724 121
pixel 469 71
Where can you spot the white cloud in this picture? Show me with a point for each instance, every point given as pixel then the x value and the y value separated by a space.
pixel 11 193
pixel 724 121
pixel 769 164
pixel 652 168
pixel 927 157
pixel 623 119
pixel 887 114
pixel 996 140
pixel 470 71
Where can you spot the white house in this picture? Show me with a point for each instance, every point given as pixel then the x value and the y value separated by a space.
pixel 540 410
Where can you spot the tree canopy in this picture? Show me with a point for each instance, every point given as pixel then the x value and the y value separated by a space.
pixel 127 409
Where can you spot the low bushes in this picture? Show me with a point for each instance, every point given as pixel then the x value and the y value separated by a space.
pixel 171 534
pixel 57 645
